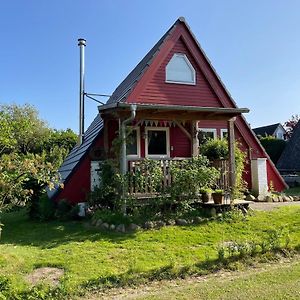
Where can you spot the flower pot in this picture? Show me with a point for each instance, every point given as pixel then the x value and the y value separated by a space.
pixel 218 198
pixel 206 197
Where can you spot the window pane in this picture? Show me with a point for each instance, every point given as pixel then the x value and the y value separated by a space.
pixel 131 145
pixel 203 136
pixel 178 70
pixel 157 142
pixel 224 134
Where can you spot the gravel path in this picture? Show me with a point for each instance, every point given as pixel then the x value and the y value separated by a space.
pixel 267 206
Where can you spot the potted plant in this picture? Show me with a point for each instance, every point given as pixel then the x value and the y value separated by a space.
pixel 218 196
pixel 206 194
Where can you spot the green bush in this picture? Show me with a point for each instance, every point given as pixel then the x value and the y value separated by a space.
pixel 190 176
pixel 63 209
pixel 46 208
pixel 218 149
pixel 274 147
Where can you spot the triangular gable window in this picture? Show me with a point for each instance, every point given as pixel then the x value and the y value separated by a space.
pixel 180 70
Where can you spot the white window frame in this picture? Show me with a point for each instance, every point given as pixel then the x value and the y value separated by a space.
pixel 190 66
pixel 167 130
pixel 213 130
pixel 138 143
pixel 223 130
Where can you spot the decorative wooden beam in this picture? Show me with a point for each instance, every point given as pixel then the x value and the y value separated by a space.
pixel 183 130
pixel 231 148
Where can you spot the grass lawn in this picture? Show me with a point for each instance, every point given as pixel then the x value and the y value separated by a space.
pixel 272 282
pixel 86 254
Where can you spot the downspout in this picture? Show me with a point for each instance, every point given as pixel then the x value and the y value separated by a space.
pixel 123 160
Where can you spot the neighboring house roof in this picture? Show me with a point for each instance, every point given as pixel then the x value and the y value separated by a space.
pixel 290 157
pixel 78 152
pixel 266 130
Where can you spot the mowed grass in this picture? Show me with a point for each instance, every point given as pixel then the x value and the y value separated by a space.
pixel 279 282
pixel 87 254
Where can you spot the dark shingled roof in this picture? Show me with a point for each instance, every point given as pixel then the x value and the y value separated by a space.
pixel 290 157
pixel 121 92
pixel 76 155
pixel 266 130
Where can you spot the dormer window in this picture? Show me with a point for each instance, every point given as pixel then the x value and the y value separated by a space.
pixel 180 70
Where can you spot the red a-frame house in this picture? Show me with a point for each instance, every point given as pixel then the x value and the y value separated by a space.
pixel 167 98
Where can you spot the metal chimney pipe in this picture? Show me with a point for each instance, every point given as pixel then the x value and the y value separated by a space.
pixel 81 44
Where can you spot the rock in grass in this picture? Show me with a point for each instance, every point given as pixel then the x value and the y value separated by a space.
pixel 133 227
pixel 112 227
pixel 171 222
pixel 261 198
pixel 268 198
pixel 148 225
pixel 286 199
pixel 98 223
pixel 198 220
pixel 104 226
pixel 181 222
pixel 160 224
pixel 121 228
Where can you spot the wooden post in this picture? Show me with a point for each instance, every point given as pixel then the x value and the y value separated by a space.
pixel 231 146
pixel 195 142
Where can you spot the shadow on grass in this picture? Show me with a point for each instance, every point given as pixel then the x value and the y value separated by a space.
pixel 20 230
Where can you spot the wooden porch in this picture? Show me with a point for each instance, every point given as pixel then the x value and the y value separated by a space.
pixel 144 190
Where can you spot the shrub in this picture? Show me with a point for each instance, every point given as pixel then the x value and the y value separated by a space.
pixel 218 149
pixel 63 209
pixel 190 176
pixel 46 208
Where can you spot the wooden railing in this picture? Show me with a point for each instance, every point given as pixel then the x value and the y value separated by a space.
pixel 137 169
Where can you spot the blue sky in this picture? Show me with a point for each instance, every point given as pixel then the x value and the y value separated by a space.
pixel 253 45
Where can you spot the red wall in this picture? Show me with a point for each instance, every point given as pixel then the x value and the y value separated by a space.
pixel 157 91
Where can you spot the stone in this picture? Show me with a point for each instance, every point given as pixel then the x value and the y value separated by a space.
pixel 296 198
pixel 275 198
pixel 291 198
pixel 160 224
pixel 98 223
pixel 181 222
pixel 112 227
pixel 121 228
pixel 133 227
pixel 104 226
pixel 148 225
pixel 198 220
pixel 260 198
pixel 269 198
pixel 280 199
pixel 250 198
pixel 286 199
pixel 171 222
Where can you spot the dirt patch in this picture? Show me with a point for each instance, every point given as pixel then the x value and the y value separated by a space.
pixel 47 275
pixel 267 206
pixel 153 288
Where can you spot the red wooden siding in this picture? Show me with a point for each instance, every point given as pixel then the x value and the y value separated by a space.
pixel 158 91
